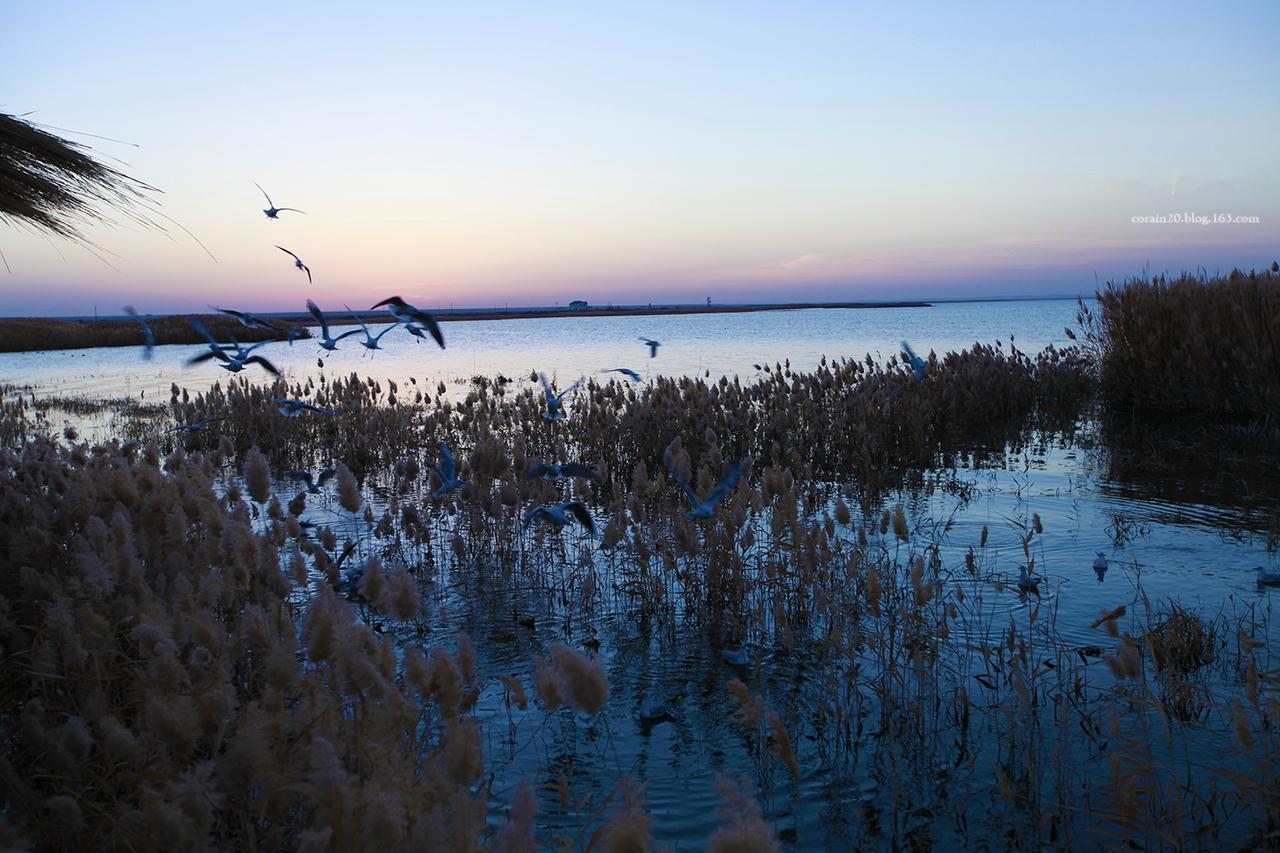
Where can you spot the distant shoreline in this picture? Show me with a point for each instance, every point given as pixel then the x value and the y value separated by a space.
pixel 447 314
pixel 26 334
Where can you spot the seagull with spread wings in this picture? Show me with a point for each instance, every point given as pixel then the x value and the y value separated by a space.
pixel 328 341
pixel 294 408
pixel 249 321
pixel 446 471
pixel 555 406
pixel 272 211
pixel 297 262
pixel 625 371
pixel 314 484
pixel 561 514
pixel 707 508
pixel 415 319
pixel 371 340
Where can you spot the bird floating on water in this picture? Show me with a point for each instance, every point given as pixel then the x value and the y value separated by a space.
pixel 555 472
pixel 561 514
pixel 1268 577
pixel 328 341
pixel 195 426
pixel 625 371
pixel 917 363
pixel 652 345
pixel 297 262
pixel 653 713
pixel 707 508
pixel 1027 582
pixel 272 211
pixel 446 471
pixel 555 408
pixel 294 408
pixel 249 321
pixel 314 485
pixel 417 320
pixel 1100 562
pixel 148 339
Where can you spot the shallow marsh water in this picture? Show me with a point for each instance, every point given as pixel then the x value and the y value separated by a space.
pixel 1199 549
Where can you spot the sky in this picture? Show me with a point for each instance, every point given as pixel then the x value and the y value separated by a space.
pixel 481 154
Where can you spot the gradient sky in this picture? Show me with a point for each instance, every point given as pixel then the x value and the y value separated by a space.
pixel 482 153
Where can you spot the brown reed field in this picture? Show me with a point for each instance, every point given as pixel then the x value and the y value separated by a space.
pixel 200 653
pixel 24 334
pixel 1190 346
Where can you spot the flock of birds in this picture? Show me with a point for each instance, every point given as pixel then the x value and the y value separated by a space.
pixel 234 357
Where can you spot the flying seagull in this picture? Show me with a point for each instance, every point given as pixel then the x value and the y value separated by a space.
pixel 216 346
pixel 446 472
pixel 555 409
pixel 249 321
pixel 625 371
pixel 314 485
pixel 555 472
pixel 917 363
pixel 707 508
pixel 148 339
pixel 421 331
pixel 328 341
pixel 561 514
pixel 653 347
pixel 415 318
pixel 297 262
pixel 234 362
pixel 272 211
pixel 195 426
pixel 293 408
pixel 370 341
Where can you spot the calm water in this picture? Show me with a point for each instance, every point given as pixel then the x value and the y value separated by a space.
pixel 724 344
pixel 1198 546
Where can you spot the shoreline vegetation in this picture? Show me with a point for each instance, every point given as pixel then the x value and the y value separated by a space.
pixel 202 654
pixel 27 334
pixel 23 334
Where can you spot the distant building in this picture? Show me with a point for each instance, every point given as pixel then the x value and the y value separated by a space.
pixel 578 305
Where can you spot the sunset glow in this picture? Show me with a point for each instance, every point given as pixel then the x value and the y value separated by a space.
pixel 541 153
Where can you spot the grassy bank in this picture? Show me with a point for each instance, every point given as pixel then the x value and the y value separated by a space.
pixel 22 334
pixel 1188 347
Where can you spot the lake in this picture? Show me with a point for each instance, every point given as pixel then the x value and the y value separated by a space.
pixel 568 347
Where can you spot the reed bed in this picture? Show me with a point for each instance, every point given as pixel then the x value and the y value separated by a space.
pixel 849 421
pixel 20 334
pixel 1190 346
pixel 295 669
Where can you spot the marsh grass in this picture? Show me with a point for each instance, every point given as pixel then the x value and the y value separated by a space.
pixel 288 669
pixel 1192 346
